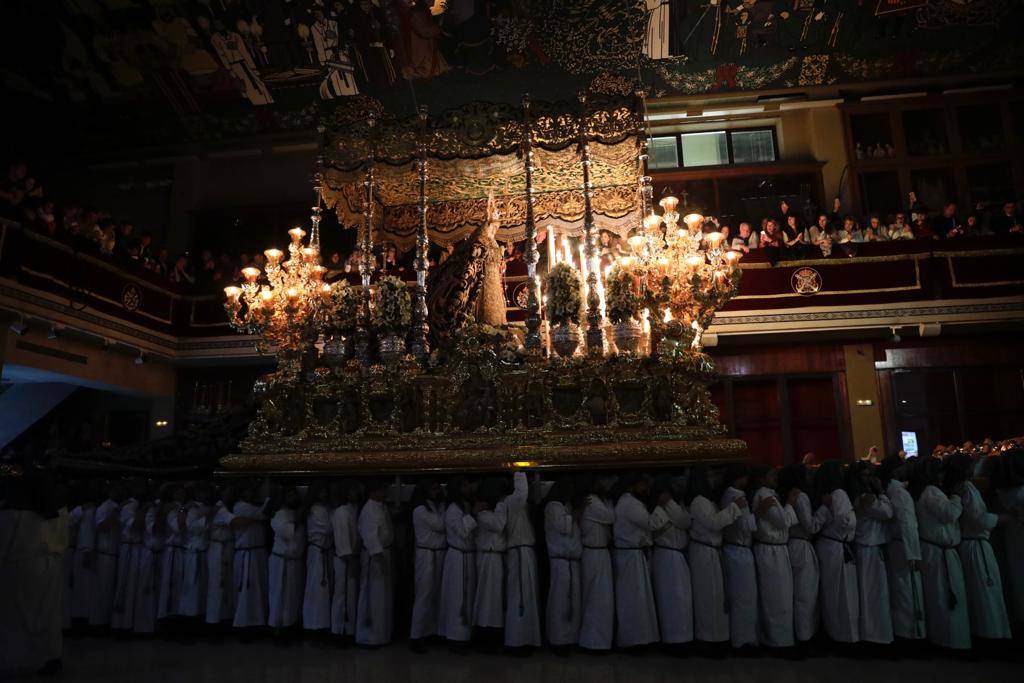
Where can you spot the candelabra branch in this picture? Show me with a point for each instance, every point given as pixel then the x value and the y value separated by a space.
pixel 595 319
pixel 366 253
pixel 532 341
pixel 420 345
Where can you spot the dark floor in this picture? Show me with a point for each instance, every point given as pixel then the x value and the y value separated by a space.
pixel 108 660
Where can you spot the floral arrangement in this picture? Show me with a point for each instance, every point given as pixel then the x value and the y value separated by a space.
pixel 392 307
pixel 621 298
pixel 565 295
pixel 343 307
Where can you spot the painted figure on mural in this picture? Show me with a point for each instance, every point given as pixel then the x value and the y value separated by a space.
pixel 340 79
pixel 234 55
pixel 423 57
pixel 657 44
pixel 372 44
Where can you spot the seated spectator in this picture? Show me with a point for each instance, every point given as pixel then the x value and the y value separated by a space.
pixel 126 241
pixel 973 227
pixel 876 230
pixel 946 224
pixel 145 247
pixel 72 221
pixel 746 240
pixel 794 238
pixel 392 266
pixel 182 272
pixel 820 235
pixel 31 200
pixel 899 230
pixel 771 240
pixel 46 220
pixel 922 230
pixel 726 234
pixel 161 265
pixel 335 266
pixel 105 236
pixel 207 269
pixel 1007 221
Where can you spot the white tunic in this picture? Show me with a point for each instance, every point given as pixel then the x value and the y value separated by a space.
pixel 707 577
pixel 840 603
pixel 74 527
pixel 945 595
pixel 55 534
pixel 220 593
pixel 774 571
pixel 428 529
pixel 985 603
pixel 458 582
pixel 634 594
pixel 804 561
pixel 375 612
pixel 107 548
pixel 906 593
pixel 670 576
pixel 27 595
pixel 84 570
pixel 489 539
pixel 286 569
pixel 872 579
pixel 197 544
pixel 740 573
pixel 316 602
pixel 597 623
pixel 172 572
pixel 250 567
pixel 522 618
pixel 127 566
pixel 150 569
pixel 565 548
pixel 346 570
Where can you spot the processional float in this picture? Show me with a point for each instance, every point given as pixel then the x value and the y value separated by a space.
pixel 605 371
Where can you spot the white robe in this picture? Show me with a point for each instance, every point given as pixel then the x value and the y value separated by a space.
pixel 129 556
pixel 1012 501
pixel 431 545
pixel 376 591
pixel 906 593
pixel 489 540
pixel 74 526
pixel 565 549
pixel 55 534
pixel 875 624
pixel 286 569
pixel 707 577
pixel 83 575
pixel 634 594
pixel 220 593
pixel 316 602
pixel 522 617
pixel 985 603
pixel 597 621
pixel 250 567
pixel 346 570
pixel 147 594
pixel 840 602
pixel 172 572
pixel 740 573
pixel 804 561
pixel 774 570
pixel 28 597
pixel 107 548
pixel 670 576
pixel 945 595
pixel 458 582
pixel 195 576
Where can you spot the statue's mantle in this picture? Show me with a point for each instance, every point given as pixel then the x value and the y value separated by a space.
pixel 478 413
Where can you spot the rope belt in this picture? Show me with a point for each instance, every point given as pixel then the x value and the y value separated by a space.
pixel 951 598
pixel 848 556
pixel 325 564
pixel 246 573
pixel 466 559
pixel 984 557
pixel 346 575
pixel 519 559
pixel 883 551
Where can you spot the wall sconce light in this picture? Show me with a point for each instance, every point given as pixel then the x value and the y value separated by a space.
pixel 865 402
pixel 161 423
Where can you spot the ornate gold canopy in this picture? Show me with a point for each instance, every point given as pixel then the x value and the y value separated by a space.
pixel 474 152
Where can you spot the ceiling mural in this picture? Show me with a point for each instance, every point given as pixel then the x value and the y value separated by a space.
pixel 211 69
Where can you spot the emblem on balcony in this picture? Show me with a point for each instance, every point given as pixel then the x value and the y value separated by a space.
pixel 131 297
pixel 521 296
pixel 806 281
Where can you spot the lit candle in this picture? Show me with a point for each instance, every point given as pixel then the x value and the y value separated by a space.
pixel 251 274
pixel 635 242
pixel 233 293
pixel 652 222
pixel 273 256
pixel 693 221
pixel 267 294
pixel 694 260
pixel 715 239
pixel 667 316
pixel 551 247
pixel 292 294
pixel 325 290
pixel 583 262
pixel 297 234
pixel 567 250
pixel 626 261
pixel 309 254
pixel 732 257
pixel 318 272
pixel 669 203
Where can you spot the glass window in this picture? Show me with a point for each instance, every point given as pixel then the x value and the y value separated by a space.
pixel 925 131
pixel 663 153
pixel 872 137
pixel 705 149
pixel 753 146
pixel 981 127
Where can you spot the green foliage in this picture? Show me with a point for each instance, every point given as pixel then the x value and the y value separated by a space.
pixel 622 301
pixel 392 305
pixel 565 294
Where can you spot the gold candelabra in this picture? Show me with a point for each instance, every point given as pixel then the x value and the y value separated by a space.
pixel 286 303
